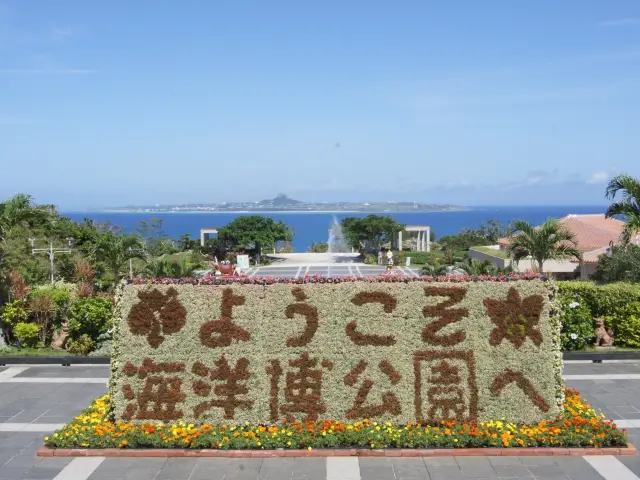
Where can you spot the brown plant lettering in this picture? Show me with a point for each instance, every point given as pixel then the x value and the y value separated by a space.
pixel 231 390
pixel 360 409
pixel 515 319
pixel 510 376
pixel 157 315
pixel 309 312
pixel 445 314
pixel 221 332
pixel 389 304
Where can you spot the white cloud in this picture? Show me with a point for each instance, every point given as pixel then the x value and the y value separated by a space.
pixel 620 22
pixel 61 32
pixel 599 177
pixel 47 71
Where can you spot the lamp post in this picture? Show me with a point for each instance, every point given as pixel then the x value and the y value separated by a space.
pixel 131 250
pixel 51 251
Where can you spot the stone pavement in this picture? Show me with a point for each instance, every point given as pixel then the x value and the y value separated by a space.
pixel 37 399
pixel 338 270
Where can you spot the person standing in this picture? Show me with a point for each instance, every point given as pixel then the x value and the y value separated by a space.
pixel 389 260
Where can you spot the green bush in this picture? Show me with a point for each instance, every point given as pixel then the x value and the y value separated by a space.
pixel 370 259
pixel 13 313
pixel 90 316
pixel 27 333
pixel 420 258
pixel 626 325
pixel 81 346
pixel 577 324
pixel 617 303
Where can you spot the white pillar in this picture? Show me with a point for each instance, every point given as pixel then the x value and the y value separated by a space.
pixel 400 240
pixel 419 246
pixel 201 238
pixel 428 239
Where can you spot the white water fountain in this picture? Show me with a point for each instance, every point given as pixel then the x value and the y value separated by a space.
pixel 337 243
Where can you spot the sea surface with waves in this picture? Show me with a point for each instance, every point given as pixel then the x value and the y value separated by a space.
pixel 314 227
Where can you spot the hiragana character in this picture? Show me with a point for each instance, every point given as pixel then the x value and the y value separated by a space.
pixel 221 332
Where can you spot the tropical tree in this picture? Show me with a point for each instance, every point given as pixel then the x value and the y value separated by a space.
pixel 628 206
pixel 549 241
pixel 371 231
pixel 253 233
pixel 21 210
pixel 114 251
pixel 622 265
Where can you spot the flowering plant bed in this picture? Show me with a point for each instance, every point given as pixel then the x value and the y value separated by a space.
pixel 578 426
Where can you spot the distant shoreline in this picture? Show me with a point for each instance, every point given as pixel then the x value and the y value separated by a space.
pixel 272 212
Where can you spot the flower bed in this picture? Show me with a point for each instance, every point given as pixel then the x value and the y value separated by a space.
pixel 577 426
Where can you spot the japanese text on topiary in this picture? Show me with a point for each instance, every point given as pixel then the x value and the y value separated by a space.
pixel 416 352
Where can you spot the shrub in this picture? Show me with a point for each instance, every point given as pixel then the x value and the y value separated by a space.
pixel 90 316
pixel 370 259
pixel 27 333
pixel 577 324
pixel 81 346
pixel 322 247
pixel 13 313
pixel 615 302
pixel 398 258
pixel 420 258
pixel 626 325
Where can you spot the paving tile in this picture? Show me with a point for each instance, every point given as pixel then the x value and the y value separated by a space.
pixel 476 467
pixel 409 468
pixel 128 468
pixel 209 469
pixel 541 460
pixel 276 468
pixel 511 471
pixel 440 462
pixel 631 462
pixel 175 468
pixel 309 469
pixel 504 461
pixel 12 473
pixel 444 473
pixel 577 468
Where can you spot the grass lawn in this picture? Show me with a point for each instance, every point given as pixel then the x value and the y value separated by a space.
pixel 33 352
pixel 491 251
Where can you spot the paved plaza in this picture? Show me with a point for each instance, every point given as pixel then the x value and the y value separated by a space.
pixel 338 270
pixel 35 400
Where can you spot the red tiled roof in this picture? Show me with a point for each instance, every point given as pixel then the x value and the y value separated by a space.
pixel 591 232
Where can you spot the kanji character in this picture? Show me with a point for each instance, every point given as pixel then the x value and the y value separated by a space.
pixel 446 316
pixel 309 312
pixel 303 389
pixel 515 318
pixel 160 394
pixel 156 315
pixel 390 402
pixel 234 386
pixel 221 332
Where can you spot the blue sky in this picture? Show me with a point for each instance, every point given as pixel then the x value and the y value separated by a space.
pixel 468 102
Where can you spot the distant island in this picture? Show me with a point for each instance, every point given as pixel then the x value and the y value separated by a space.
pixel 282 203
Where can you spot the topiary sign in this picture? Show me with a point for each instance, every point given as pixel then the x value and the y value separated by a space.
pixel 403 352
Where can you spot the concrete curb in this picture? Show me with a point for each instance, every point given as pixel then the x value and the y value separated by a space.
pixel 346 452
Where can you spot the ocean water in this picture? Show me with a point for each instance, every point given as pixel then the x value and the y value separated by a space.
pixel 314 227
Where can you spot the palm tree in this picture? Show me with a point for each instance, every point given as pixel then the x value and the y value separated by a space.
pixel 549 241
pixel 116 250
pixel 21 210
pixel 629 206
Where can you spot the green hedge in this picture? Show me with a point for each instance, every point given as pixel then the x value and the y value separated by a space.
pixel 399 352
pixel 617 303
